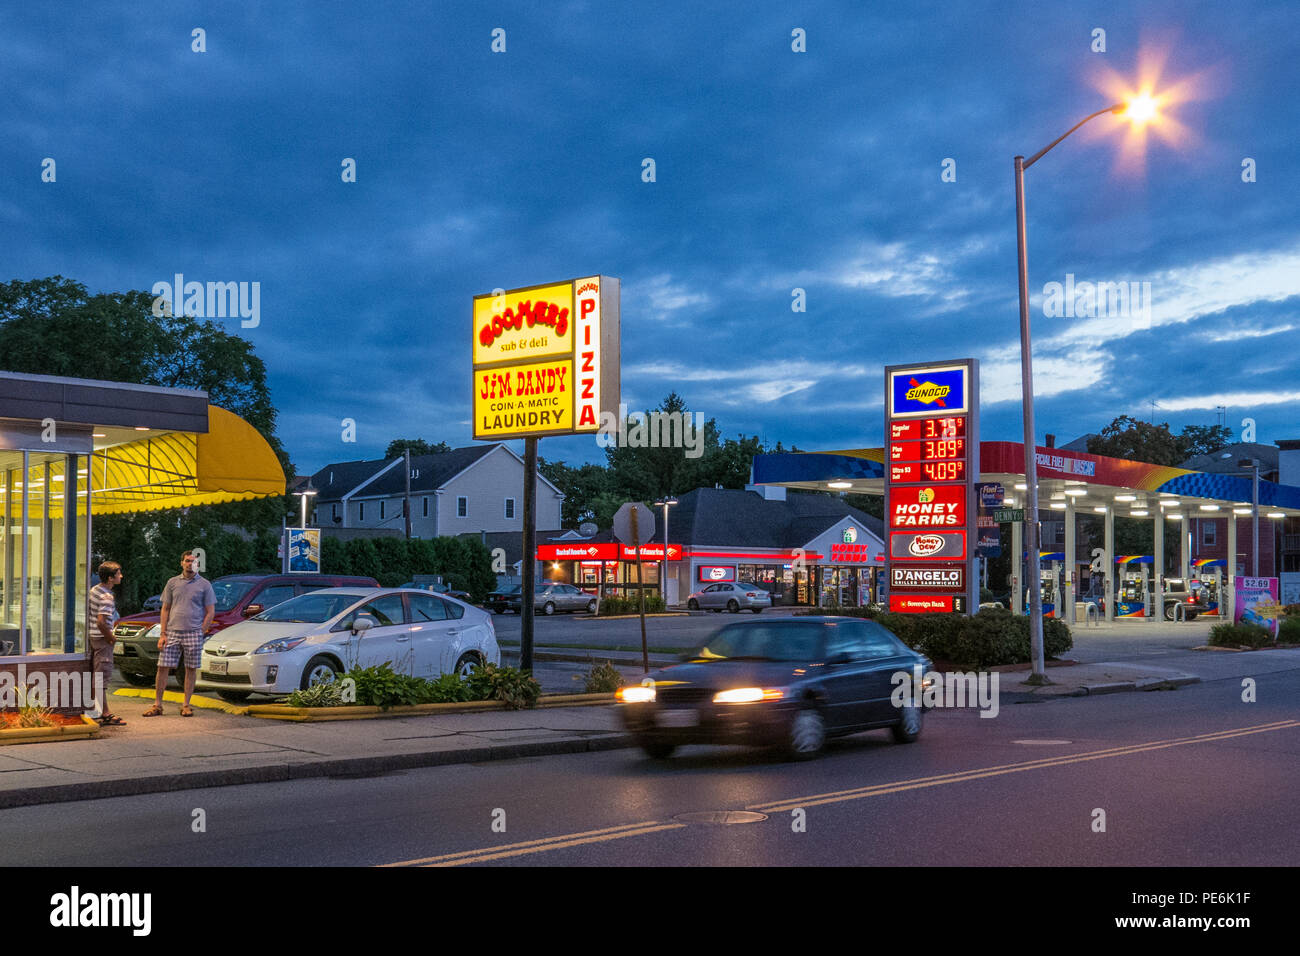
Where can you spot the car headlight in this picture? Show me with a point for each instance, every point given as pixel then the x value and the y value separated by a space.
pixel 277 647
pixel 748 695
pixel 155 632
pixel 640 694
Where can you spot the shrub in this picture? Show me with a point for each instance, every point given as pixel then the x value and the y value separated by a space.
pixel 993 636
pixel 601 679
pixel 1239 635
pixel 381 686
pixel 449 689
pixel 508 684
pixel 1288 630
pixel 324 694
pixel 654 604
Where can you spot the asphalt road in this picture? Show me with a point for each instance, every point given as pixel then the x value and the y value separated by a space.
pixel 1185 778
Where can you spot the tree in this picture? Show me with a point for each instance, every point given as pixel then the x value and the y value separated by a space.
pixel 1128 437
pixel 588 492
pixel 1203 439
pixel 417 446
pixel 54 326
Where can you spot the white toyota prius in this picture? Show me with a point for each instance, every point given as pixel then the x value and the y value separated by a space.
pixel 320 635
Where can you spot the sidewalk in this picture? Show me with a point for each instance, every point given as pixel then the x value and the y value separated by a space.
pixel 214 748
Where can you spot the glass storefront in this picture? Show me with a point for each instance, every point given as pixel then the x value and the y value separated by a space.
pixel 43 552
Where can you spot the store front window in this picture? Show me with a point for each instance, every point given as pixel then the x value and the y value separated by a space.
pixel 42 553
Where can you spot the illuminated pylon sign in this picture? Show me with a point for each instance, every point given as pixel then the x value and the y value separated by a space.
pixel 546 359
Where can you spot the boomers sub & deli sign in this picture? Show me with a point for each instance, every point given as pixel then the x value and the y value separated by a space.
pixel 546 359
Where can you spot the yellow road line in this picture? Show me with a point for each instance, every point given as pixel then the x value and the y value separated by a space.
pixel 559 846
pixel 921 783
pixel 528 843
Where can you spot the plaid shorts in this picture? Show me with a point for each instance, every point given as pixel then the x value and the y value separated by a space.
pixel 190 642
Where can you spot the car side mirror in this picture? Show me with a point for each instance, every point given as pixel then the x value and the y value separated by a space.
pixel 253 609
pixel 362 624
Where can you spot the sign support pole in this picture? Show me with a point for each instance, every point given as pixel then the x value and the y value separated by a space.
pixel 640 590
pixel 528 568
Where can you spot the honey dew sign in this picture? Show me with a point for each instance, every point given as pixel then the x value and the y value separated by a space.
pixel 546 359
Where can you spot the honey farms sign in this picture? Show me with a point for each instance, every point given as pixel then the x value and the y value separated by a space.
pixel 546 359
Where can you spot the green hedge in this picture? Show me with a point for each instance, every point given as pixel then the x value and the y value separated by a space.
pixel 1228 634
pixel 990 638
pixel 464 563
pixel 381 686
pixel 1288 631
pixel 654 604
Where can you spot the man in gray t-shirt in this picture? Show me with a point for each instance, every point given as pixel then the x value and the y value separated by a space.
pixel 188 604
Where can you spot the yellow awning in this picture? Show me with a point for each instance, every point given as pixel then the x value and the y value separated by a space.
pixel 232 462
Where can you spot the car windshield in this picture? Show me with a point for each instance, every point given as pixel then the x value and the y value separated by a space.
pixel 230 593
pixel 514 590
pixel 768 642
pixel 309 608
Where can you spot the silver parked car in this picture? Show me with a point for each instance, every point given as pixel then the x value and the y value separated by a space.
pixel 732 596
pixel 549 598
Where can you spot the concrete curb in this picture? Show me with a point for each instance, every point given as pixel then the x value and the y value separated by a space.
pixel 274 773
pixel 363 712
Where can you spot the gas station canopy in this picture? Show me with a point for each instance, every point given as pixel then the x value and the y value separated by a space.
pixel 1093 482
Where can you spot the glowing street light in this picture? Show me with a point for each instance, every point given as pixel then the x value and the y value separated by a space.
pixel 1140 110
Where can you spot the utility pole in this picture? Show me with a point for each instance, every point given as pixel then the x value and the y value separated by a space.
pixel 406 503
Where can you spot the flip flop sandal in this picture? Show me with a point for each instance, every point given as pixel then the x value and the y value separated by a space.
pixel 111 720
pixel 187 711
pixel 154 711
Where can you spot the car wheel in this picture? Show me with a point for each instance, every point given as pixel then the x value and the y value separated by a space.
pixel 908 727
pixel 591 607
pixel 692 605
pixel 234 696
pixel 1169 612
pixel 807 734
pixel 658 749
pixel 548 608
pixel 138 680
pixel 319 669
pixel 469 662
pixel 733 607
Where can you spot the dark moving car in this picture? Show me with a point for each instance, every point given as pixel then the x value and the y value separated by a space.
pixel 238 596
pixel 789 683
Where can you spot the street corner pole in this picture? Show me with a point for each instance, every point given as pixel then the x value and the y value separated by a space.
pixel 1031 462
pixel 640 590
pixel 528 568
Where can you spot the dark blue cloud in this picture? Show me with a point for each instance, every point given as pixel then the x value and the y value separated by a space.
pixel 775 170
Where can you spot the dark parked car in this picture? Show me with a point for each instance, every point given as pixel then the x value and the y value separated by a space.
pixel 789 683
pixel 238 596
pixel 499 601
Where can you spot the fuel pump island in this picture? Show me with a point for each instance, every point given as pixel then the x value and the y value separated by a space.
pixel 929 470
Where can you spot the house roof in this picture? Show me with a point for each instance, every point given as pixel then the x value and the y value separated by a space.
pixel 1224 461
pixel 428 473
pixel 725 516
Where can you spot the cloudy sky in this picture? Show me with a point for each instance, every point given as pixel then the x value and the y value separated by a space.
pixel 774 170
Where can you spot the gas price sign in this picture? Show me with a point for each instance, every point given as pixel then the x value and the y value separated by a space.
pixel 932 420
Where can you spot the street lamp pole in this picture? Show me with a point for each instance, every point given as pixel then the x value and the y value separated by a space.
pixel 663 573
pixel 1027 399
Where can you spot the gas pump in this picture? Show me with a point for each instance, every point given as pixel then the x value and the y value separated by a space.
pixel 1134 583
pixel 1210 572
pixel 1049 582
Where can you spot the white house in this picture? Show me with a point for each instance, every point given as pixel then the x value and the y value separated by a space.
pixel 474 489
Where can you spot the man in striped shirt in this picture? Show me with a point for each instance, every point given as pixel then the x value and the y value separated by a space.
pixel 103 615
